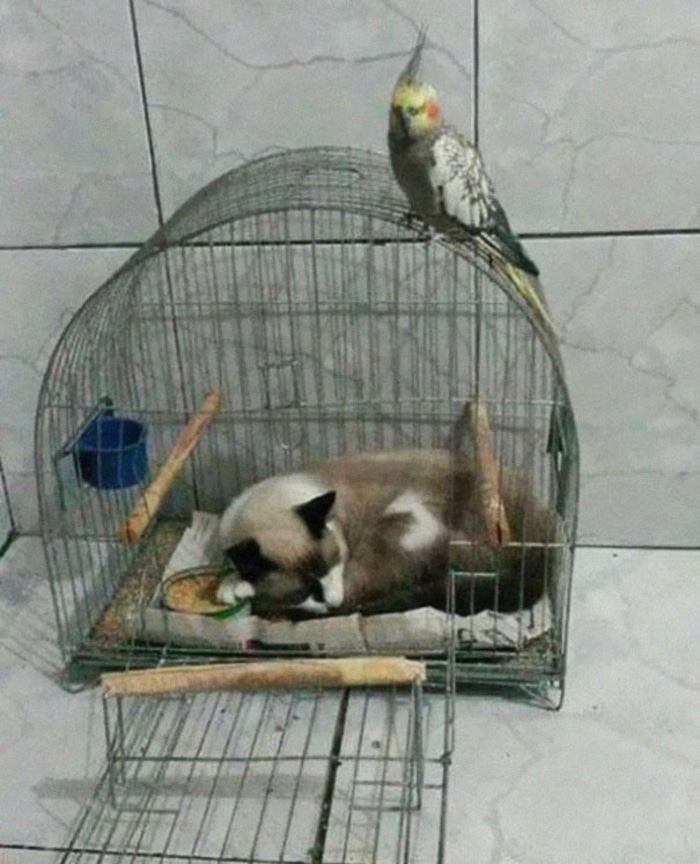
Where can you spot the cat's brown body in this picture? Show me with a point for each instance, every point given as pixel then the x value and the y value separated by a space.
pixel 379 532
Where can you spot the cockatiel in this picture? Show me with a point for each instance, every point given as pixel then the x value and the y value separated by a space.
pixel 443 176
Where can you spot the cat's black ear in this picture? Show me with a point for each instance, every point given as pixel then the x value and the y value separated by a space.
pixel 315 513
pixel 249 560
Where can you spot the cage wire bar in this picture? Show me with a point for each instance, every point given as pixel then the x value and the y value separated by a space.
pixel 296 286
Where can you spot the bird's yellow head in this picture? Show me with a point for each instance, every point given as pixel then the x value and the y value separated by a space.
pixel 415 109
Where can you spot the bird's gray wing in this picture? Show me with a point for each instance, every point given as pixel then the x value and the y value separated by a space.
pixel 458 175
pixel 467 196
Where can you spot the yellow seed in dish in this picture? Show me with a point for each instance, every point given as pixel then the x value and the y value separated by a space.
pixel 195 592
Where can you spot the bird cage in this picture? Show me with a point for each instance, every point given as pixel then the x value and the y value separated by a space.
pixel 294 309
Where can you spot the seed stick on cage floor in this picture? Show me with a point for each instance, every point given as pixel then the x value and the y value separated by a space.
pixel 148 505
pixel 266 675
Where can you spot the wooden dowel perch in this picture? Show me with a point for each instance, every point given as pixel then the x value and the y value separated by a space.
pixel 488 470
pixel 267 675
pixel 152 498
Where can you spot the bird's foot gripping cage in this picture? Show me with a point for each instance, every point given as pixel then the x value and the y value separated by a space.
pixel 294 292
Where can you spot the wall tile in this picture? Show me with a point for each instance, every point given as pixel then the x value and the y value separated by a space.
pixel 585 116
pixel 284 74
pixel 628 311
pixel 631 366
pixel 74 162
pixel 42 289
pixel 578 102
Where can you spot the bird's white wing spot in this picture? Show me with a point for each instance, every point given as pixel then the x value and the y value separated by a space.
pixel 459 173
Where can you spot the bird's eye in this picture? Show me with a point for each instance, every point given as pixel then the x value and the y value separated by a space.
pixel 412 110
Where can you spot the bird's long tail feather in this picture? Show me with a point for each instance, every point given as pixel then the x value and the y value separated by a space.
pixel 517 253
pixel 523 286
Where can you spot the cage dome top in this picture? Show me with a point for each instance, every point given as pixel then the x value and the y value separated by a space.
pixel 330 179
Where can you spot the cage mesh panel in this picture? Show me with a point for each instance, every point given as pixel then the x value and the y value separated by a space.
pixel 244 777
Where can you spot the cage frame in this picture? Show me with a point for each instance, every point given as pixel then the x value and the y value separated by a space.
pixel 90 327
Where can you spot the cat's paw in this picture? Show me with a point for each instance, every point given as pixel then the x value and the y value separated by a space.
pixel 314 607
pixel 232 591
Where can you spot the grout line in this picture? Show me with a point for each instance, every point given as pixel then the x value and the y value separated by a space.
pixel 328 793
pixel 651 547
pixel 621 232
pixel 525 235
pixel 146 114
pixel 475 67
pixel 657 547
pixel 67 247
pixel 8 541
pixel 5 500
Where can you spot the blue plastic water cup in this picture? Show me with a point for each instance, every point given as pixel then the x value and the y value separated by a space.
pixel 111 452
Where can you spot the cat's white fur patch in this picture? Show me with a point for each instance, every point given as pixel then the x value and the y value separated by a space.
pixel 244 591
pixel 332 584
pixel 425 529
pixel 230 514
pixel 272 495
pixel 232 591
pixel 295 489
pixel 313 606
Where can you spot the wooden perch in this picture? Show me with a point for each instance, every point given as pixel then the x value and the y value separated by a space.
pixel 487 467
pixel 150 502
pixel 267 675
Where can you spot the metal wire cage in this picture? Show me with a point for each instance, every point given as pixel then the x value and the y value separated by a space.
pixel 297 287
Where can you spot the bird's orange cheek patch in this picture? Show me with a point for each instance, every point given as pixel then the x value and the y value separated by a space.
pixel 432 109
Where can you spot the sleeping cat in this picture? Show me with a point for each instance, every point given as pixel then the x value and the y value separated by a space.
pixel 377 532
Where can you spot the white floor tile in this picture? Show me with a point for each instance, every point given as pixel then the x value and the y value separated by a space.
pixel 613 777
pixel 51 741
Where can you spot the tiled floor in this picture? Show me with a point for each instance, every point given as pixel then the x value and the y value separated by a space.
pixel 614 778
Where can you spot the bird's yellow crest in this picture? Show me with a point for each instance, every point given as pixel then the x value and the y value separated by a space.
pixel 415 109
